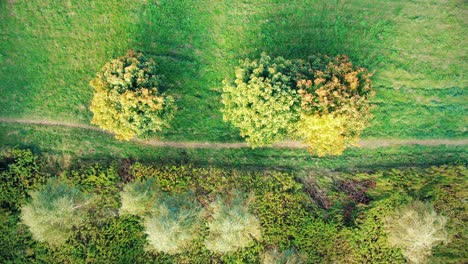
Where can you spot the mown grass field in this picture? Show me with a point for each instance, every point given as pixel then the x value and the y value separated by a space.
pixel 51 49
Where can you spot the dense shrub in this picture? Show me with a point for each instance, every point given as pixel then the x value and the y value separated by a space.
pixel 324 102
pixel 128 100
pixel 287 218
pixel 232 226
pixel 19 174
pixel 447 187
pixel 169 178
pixel 115 240
pixel 12 239
pixel 263 102
pixel 53 212
pixel 415 229
pixel 173 223
pixel 369 238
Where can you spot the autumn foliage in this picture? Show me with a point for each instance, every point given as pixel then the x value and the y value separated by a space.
pixel 127 98
pixel 323 101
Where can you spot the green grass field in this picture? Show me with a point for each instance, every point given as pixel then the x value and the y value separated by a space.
pixel 51 49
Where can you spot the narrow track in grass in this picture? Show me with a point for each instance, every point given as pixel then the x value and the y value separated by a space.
pixel 365 143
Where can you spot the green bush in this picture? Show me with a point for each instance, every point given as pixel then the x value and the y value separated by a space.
pixel 94 178
pixel 369 238
pixel 173 223
pixel 287 218
pixel 232 226
pixel 128 100
pixel 20 173
pixel 55 209
pixel 169 178
pixel 263 102
pixel 13 239
pixel 325 102
pixel 115 240
pixel 447 188
pixel 282 207
pixel 416 228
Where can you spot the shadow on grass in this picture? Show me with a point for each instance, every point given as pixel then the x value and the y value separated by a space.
pixel 298 29
pixel 176 34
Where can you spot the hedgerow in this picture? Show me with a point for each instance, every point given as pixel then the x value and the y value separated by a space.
pixel 349 228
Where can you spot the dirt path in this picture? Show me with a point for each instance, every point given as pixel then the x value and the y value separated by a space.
pixel 365 143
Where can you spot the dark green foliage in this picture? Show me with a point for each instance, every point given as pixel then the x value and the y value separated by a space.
pixel 103 181
pixel 117 240
pixel 19 173
pixel 13 248
pixel 94 178
pixel 369 238
pixel 288 216
pixel 169 178
pixel 445 187
pixel 317 239
pixel 450 201
pixel 282 208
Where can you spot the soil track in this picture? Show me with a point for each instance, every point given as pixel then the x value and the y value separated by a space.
pixel 365 143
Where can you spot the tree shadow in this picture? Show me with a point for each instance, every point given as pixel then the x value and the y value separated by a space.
pixel 176 34
pixel 298 29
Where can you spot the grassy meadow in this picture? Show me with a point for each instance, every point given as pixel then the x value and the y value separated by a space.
pixel 51 49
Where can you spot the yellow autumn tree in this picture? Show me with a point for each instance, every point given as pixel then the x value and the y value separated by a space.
pixel 322 101
pixel 127 98
pixel 335 105
pixel 324 134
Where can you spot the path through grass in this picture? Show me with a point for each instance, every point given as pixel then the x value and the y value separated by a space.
pixel 71 143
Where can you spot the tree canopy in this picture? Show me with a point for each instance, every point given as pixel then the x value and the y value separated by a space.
pixel 323 101
pixel 128 100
